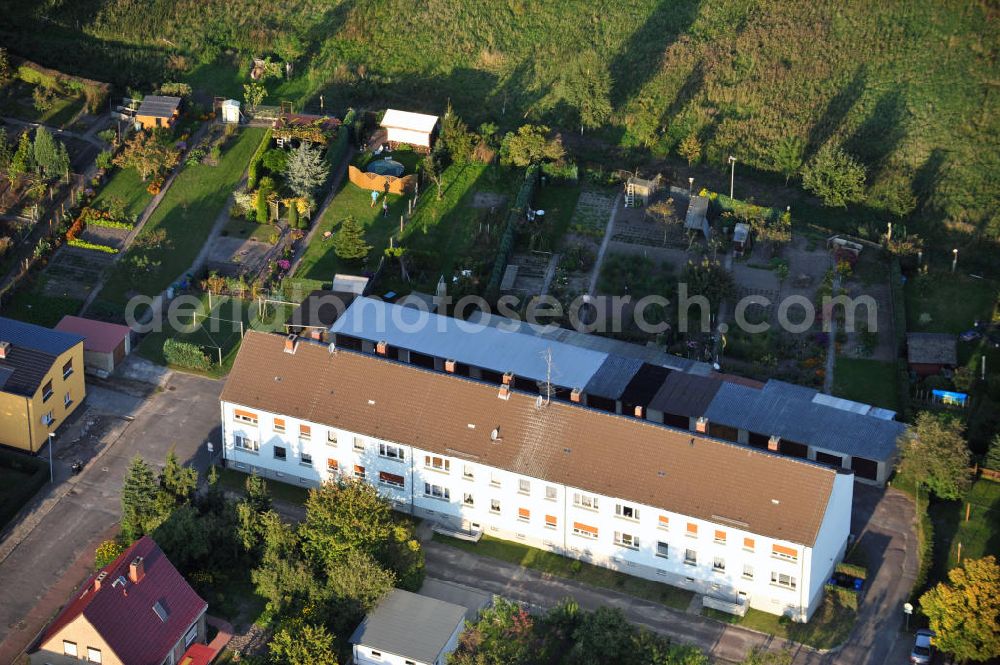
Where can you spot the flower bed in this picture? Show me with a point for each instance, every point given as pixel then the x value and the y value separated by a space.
pixel 83 244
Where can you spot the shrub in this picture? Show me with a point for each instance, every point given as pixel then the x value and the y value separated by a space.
pixel 104 158
pixel 184 354
pixel 83 244
pixel 106 553
pixel 293 216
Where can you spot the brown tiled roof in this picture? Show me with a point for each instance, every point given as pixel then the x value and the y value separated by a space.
pixel 563 443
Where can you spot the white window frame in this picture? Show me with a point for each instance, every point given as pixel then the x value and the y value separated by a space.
pixel 790 583
pixel 191 635
pixel 586 501
pixel 747 571
pixel 243 419
pixel 69 648
pixel 584 534
pixel 688 559
pixel 93 655
pixel 284 451
pixel 468 473
pixel 551 493
pixel 524 487
pixel 392 452
pixel 495 506
pixel 468 499
pixel 444 465
pixel 622 508
pixel 400 485
pixel 662 549
pixel 719 564
pixel 626 540
pixel 306 459
pixel 437 492
pixel 359 444
pixel 245 443
pixel 331 438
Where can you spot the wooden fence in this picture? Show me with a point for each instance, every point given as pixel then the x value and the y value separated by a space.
pixel 381 183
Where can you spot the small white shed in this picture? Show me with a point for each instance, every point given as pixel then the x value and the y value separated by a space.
pixel 231 111
pixel 416 129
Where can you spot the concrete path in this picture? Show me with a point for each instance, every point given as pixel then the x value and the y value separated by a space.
pixel 608 231
pixel 141 222
pixel 831 344
pixel 550 273
pixel 55 536
pixel 55 131
pixel 338 177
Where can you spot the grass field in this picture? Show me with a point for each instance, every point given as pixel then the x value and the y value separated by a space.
pixel 558 202
pixel 124 184
pixel 979 536
pixel 16 102
pixel 29 303
pixel 868 381
pixel 830 626
pixel 320 261
pixel 216 331
pixel 243 228
pixel 186 213
pixel 554 564
pixel 952 302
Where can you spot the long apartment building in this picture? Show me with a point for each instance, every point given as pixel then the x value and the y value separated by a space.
pixel 739 524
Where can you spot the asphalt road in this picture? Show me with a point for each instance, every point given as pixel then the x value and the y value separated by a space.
pixel 184 414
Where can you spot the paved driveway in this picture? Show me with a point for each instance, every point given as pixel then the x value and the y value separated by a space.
pixel 70 519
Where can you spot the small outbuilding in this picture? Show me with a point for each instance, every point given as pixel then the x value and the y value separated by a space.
pixel 697 216
pixel 639 191
pixel 230 111
pixel 741 239
pixel 318 312
pixel 408 628
pixel 931 353
pixel 158 111
pixel 415 129
pixel 105 345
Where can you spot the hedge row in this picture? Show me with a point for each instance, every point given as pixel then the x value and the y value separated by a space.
pixel 338 147
pixel 521 204
pixel 185 354
pixel 899 325
pixel 258 155
pixel 17 494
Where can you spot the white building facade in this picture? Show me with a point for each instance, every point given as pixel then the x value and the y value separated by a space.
pixel 721 558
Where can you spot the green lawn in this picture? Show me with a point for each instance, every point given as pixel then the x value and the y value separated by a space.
pixel 555 564
pixel 558 202
pixel 830 626
pixel 321 262
pixel 222 78
pixel 16 101
pixel 236 481
pixel 952 302
pixel 30 304
pixel 979 536
pixel 126 185
pixel 222 333
pixel 867 381
pixel 187 213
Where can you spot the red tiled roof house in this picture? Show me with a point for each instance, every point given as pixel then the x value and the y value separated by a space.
pixel 137 610
pixel 105 345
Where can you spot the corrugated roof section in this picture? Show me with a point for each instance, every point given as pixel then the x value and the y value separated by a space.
pixel 418 122
pixel 613 376
pixel 445 337
pixel 567 444
pixel 789 412
pixel 685 395
pixel 158 106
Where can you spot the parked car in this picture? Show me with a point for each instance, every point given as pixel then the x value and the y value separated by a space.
pixel 923 651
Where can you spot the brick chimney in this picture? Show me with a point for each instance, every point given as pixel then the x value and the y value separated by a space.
pixel 508 378
pixel 701 425
pixel 136 570
pixel 574 396
pixel 100 578
pixel 638 412
pixel 4 349
pixel 382 348
pixel 449 366
pixel 290 343
pixel 774 443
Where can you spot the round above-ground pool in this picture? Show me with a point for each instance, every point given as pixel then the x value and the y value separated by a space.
pixel 386 167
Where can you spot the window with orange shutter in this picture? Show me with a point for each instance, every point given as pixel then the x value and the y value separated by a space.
pixel 279 424
pixel 551 521
pixel 523 514
pixel 720 536
pixel 331 465
pixel 692 529
pixel 248 417
pixel 664 522
pixel 783 552
pixel 748 544
pixel 359 472
pixel 584 530
pixel 305 431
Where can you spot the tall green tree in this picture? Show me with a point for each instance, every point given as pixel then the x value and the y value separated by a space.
pixel 585 85
pixel 965 611
pixel 6 151
pixel 992 460
pixel 344 516
pixel 282 577
pixel 503 635
pixel 603 636
pixel 184 538
pixel 835 177
pixel 177 482
pixel 690 148
pixel 149 153
pixel 349 240
pixel 250 514
pixel 788 156
pixel 300 643
pixel 5 70
pixel 306 171
pixel 456 138
pixel 253 95
pixel 140 514
pixel 23 161
pixel 934 453
pixel 531 144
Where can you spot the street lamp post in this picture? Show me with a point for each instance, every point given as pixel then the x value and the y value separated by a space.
pixel 907 610
pixel 690 185
pixel 732 174
pixel 52 443
pixel 954 259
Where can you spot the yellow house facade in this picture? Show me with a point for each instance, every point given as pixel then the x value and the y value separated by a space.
pixel 41 382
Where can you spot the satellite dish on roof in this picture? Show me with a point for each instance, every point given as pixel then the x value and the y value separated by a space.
pixel 495 434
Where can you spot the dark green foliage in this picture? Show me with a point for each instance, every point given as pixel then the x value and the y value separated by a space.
pixel 23 160
pixel 261 204
pixel 835 177
pixel 992 460
pixel 306 171
pixel 517 211
pixel 293 216
pixel 935 454
pixel 349 240
pixel 456 138
pixel 530 144
pixel 300 643
pixel 140 513
pixel 186 355
pixel 275 160
pixel 253 170
pixel 708 278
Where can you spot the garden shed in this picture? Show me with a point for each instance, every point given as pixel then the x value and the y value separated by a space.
pixel 639 191
pixel 741 238
pixel 416 129
pixel 931 353
pixel 105 345
pixel 230 111
pixel 158 111
pixel 697 216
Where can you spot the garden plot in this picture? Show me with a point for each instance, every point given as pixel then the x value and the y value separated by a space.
pixel 74 271
pixel 638 227
pixel 232 256
pixel 593 210
pixel 531 269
